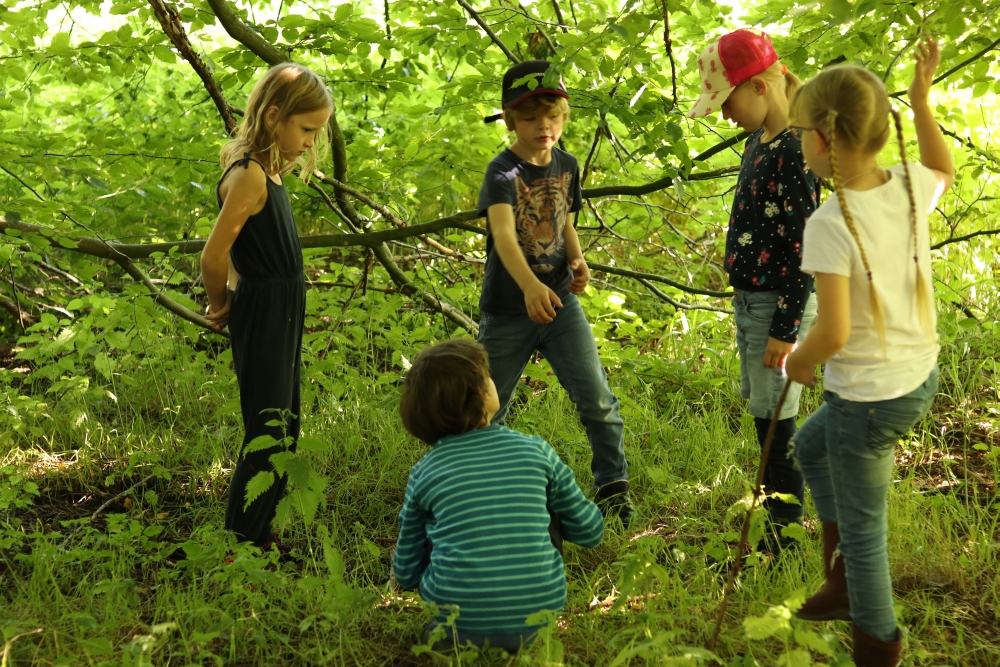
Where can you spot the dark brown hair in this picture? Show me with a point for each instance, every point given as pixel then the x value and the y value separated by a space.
pixel 444 392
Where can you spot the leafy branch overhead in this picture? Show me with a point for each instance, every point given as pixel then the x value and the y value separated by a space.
pixel 135 154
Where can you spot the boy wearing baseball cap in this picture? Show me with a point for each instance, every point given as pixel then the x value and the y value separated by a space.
pixel 775 195
pixel 535 268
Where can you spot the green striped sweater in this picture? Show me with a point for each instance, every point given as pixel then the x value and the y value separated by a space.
pixel 482 500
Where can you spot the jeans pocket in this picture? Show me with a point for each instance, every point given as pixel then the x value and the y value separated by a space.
pixel 886 425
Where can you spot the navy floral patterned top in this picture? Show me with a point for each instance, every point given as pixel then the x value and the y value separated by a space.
pixel 775 195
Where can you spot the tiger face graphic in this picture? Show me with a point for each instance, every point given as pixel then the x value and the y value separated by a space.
pixel 540 216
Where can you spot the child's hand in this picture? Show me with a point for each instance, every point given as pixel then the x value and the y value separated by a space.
pixel 799 372
pixel 581 276
pixel 776 352
pixel 219 318
pixel 539 300
pixel 928 57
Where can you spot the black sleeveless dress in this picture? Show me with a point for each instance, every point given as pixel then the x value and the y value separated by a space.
pixel 265 325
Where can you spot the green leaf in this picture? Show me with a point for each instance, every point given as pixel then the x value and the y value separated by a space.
pixel 260 443
pixel 310 444
pixel 343 12
pixel 257 485
pixel 97 646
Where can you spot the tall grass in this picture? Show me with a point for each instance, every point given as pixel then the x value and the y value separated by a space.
pixel 645 595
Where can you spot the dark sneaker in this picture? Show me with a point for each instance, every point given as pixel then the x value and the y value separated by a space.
pixel 774 543
pixel 612 500
pixel 284 551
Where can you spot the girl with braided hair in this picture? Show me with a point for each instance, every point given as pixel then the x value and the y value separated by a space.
pixel 869 251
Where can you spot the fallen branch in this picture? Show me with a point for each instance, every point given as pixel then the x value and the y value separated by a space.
pixel 62 547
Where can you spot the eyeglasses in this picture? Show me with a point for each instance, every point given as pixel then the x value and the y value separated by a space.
pixel 797 130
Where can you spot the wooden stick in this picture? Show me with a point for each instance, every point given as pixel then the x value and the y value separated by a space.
pixel 768 439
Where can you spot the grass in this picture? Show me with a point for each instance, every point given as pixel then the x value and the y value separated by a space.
pixel 645 595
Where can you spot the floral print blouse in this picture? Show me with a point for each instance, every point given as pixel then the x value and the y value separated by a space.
pixel 775 195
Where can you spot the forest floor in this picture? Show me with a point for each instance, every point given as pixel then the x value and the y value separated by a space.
pixel 87 581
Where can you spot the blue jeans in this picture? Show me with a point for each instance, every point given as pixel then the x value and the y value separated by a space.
pixel 845 450
pixel 568 344
pixel 761 385
pixel 509 643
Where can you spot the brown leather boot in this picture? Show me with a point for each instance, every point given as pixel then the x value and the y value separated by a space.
pixel 871 652
pixel 831 602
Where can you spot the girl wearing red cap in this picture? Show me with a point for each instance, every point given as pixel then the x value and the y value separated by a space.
pixel 775 195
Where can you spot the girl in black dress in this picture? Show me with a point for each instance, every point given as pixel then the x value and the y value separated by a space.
pixel 252 270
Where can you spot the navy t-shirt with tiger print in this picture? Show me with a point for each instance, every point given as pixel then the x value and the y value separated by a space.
pixel 542 199
pixel 775 195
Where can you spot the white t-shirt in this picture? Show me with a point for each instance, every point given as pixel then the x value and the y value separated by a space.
pixel 861 371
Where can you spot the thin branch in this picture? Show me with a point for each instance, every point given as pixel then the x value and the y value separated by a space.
pixel 668 44
pixel 660 184
pixel 482 24
pixel 174 29
pixel 959 239
pixel 679 305
pixel 559 16
pixel 721 146
pixel 660 279
pixel 974 57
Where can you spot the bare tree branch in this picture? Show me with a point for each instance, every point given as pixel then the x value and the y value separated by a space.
pixel 959 239
pixel 246 35
pixel 679 305
pixel 668 44
pixel 174 29
pixel 559 16
pixel 660 184
pixel 660 279
pixel 974 57
pixel 486 28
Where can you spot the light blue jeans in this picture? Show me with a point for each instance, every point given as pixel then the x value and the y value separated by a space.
pixel 763 386
pixel 568 344
pixel 845 450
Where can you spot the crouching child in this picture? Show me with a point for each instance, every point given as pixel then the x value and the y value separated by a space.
pixel 474 528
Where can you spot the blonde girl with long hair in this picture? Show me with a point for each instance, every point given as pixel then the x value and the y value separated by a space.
pixel 742 76
pixel 253 273
pixel 869 250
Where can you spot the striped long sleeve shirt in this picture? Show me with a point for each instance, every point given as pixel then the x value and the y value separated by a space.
pixel 482 500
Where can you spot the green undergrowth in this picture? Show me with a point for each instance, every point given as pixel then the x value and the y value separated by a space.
pixel 88 583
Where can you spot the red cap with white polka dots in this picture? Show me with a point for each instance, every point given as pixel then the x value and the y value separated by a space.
pixel 728 62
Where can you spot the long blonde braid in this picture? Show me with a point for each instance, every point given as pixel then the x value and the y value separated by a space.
pixel 831 128
pixel 925 303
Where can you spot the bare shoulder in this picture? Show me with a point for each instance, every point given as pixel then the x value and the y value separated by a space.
pixel 248 184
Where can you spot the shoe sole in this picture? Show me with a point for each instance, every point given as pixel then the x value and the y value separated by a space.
pixel 833 615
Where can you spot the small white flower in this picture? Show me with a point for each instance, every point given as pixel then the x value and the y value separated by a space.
pixel 745 238
pixel 771 209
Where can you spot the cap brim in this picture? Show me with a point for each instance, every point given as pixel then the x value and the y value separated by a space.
pixel 531 93
pixel 709 102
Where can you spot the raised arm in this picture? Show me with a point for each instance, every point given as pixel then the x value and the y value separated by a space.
pixel 538 298
pixel 934 152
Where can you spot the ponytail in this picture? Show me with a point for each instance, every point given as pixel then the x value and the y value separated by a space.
pixel 876 307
